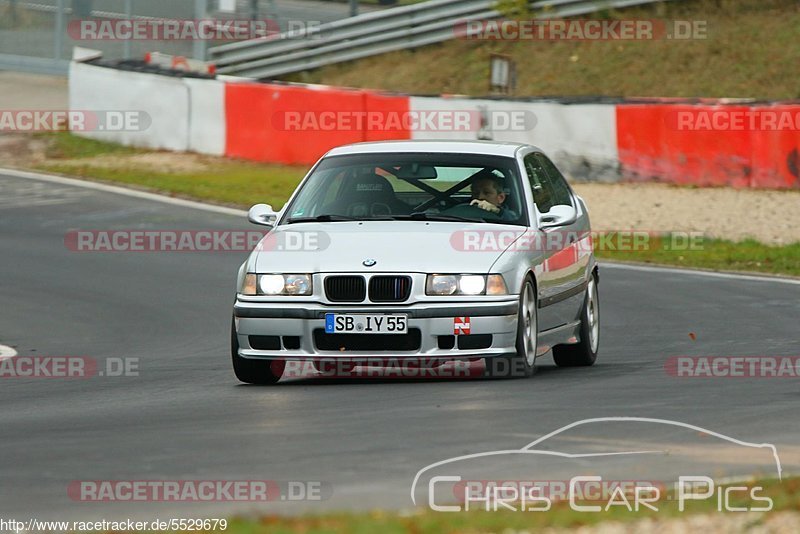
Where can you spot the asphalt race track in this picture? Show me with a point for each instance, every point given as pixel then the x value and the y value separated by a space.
pixel 185 416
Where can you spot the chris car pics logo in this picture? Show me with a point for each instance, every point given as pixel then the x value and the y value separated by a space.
pixel 461 483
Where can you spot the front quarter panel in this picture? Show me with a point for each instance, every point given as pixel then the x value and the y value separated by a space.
pixel 249 266
pixel 519 260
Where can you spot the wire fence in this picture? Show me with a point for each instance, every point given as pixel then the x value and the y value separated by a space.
pixel 39 35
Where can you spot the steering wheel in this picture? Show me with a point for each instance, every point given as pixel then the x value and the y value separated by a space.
pixel 364 209
pixel 471 212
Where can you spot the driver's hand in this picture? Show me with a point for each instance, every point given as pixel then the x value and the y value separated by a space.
pixel 485 205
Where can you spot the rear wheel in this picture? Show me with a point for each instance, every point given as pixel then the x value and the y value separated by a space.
pixel 583 353
pixel 523 363
pixel 262 372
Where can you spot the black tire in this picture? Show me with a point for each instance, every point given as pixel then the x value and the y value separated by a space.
pixel 523 363
pixel 584 353
pixel 261 372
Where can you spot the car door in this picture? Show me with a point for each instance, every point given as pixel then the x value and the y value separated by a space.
pixel 561 276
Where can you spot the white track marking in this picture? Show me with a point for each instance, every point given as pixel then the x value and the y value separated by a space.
pixel 694 272
pixel 122 191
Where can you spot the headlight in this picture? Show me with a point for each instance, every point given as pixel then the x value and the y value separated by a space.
pixel 277 284
pixel 297 284
pixel 271 284
pixel 441 284
pixel 465 284
pixel 471 284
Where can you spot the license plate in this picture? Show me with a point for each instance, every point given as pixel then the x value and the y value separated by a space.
pixel 348 323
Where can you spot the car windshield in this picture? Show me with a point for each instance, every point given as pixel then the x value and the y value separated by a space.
pixel 412 186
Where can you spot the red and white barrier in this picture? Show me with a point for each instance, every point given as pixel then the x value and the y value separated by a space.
pixel 657 142
pixel 296 124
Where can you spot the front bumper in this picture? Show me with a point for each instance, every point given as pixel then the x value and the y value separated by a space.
pixel 295 331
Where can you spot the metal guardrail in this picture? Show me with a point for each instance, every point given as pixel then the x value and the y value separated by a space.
pixel 375 33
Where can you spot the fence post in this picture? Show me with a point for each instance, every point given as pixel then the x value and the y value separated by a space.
pixel 273 14
pixel 199 46
pixel 13 8
pixel 58 41
pixel 126 46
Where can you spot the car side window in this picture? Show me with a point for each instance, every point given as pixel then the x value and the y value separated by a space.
pixel 558 184
pixel 324 196
pixel 540 183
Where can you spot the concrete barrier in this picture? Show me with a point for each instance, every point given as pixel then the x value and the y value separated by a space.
pixel 669 140
pixel 581 138
pixel 164 99
pixel 207 129
pixel 184 114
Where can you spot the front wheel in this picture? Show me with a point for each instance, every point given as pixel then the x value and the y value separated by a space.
pixel 583 353
pixel 523 363
pixel 262 372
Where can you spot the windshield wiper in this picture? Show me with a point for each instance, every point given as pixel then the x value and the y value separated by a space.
pixel 435 217
pixel 320 218
pixel 412 217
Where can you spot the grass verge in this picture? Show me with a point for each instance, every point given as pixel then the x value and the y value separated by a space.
pixel 241 184
pixel 215 180
pixel 714 254
pixel 749 51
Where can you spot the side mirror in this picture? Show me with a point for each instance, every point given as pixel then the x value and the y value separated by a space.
pixel 558 216
pixel 262 214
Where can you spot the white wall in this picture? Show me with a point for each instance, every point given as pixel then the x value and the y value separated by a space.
pixel 206 116
pixel 581 138
pixel 164 99
pixel 185 113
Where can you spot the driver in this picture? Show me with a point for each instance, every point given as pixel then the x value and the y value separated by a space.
pixel 488 193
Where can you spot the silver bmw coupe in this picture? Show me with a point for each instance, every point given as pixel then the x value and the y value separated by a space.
pixel 424 252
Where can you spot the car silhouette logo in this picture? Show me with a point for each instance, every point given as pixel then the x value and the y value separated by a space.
pixel 369 262
pixel 534 448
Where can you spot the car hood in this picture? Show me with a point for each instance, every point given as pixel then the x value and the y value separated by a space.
pixel 395 246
